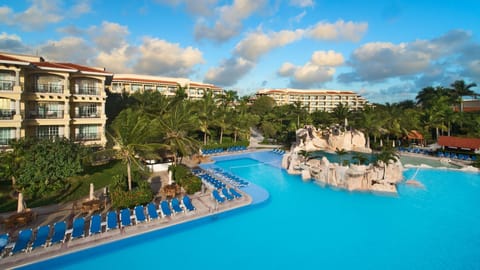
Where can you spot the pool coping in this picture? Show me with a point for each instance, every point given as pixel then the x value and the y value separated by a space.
pixel 256 195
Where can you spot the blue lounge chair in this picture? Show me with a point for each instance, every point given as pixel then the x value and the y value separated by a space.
pixel 152 211
pixel 24 237
pixel 139 214
pixel 3 242
pixel 188 203
pixel 176 206
pixel 125 217
pixel 235 193
pixel 165 208
pixel 226 194
pixel 95 224
pixel 59 230
pixel 112 220
pixel 78 229
pixel 41 238
pixel 217 196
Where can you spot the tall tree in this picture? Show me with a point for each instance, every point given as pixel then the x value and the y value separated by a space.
pixel 205 109
pixel 133 132
pixel 461 89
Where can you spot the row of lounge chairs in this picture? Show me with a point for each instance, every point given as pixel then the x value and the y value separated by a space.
pixel 460 156
pixel 229 178
pixel 228 195
pixel 278 151
pixel 221 150
pixel 211 181
pixel 114 220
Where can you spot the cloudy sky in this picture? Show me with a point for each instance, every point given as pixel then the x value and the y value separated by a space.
pixel 385 50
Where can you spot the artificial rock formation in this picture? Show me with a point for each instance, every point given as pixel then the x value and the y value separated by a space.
pixel 378 178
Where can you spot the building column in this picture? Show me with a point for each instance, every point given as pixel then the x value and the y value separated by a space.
pixel 17 133
pixel 66 131
pixel 17 77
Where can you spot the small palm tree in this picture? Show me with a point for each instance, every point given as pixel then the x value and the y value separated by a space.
pixel 385 156
pixel 341 152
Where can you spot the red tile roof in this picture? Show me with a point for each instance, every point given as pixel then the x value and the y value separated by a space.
pixel 458 142
pixel 414 135
pixel 8 58
pixel 51 65
pixel 83 68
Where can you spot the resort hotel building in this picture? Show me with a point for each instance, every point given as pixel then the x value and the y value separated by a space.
pixel 315 100
pixel 50 99
pixel 132 83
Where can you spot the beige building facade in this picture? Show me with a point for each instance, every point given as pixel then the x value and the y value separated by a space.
pixel 46 99
pixel 133 83
pixel 315 100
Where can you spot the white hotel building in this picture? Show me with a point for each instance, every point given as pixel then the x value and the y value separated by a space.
pixel 315 100
pixel 132 83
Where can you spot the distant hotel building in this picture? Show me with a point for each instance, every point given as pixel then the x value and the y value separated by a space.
pixel 315 100
pixel 132 83
pixel 47 99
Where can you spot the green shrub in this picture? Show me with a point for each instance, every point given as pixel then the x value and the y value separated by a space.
pixel 192 184
pixel 122 198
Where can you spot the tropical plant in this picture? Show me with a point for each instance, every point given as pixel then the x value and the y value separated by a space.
pixel 384 157
pixel 47 164
pixel 133 133
pixel 461 89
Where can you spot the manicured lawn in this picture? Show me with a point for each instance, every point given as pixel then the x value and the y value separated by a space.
pixel 100 176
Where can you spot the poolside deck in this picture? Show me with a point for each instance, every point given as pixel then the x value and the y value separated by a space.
pixel 205 206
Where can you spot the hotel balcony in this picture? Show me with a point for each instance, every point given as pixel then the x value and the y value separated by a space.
pixel 87 115
pixel 94 136
pixel 88 90
pixel 6 114
pixel 6 85
pixel 47 114
pixel 48 88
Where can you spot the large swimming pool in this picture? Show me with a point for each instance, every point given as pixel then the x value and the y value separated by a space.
pixel 303 225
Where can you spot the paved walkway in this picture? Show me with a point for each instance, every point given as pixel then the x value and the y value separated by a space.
pixel 204 203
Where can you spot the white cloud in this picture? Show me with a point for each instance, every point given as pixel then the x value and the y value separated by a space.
pixel 12 43
pixel 159 57
pixel 80 8
pixel 39 14
pixel 68 49
pixel 109 36
pixel 318 70
pixel 258 43
pixel 229 21
pixel 287 69
pixel 118 60
pixel 327 58
pixel 196 7
pixel 229 71
pixel 302 3
pixel 340 30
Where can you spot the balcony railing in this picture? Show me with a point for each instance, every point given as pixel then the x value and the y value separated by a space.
pixel 49 136
pixel 6 114
pixel 48 114
pixel 93 136
pixel 87 115
pixel 6 85
pixel 88 90
pixel 48 88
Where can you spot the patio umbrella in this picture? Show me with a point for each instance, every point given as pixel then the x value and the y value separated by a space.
pixel 170 178
pixel 21 203
pixel 91 197
pixel 393 143
pixel 381 143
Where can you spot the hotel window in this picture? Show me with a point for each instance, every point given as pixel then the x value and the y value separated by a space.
pixel 48 84
pixel 49 132
pixel 6 135
pixel 117 87
pixel 161 88
pixel 86 110
pixel 7 81
pixel 149 87
pixel 7 109
pixel 87 133
pixel 86 87
pixel 136 87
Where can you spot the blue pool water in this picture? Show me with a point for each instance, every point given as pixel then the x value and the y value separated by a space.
pixel 303 225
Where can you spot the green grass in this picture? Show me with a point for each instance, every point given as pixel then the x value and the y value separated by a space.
pixel 79 186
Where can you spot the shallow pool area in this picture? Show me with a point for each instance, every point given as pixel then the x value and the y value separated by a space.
pixel 303 225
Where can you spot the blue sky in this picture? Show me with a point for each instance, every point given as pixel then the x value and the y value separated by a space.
pixel 385 50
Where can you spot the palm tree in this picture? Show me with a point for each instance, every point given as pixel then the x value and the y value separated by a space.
pixel 205 109
pixel 132 132
pixel 175 127
pixel 384 157
pixel 461 89
pixel 369 123
pixel 341 152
